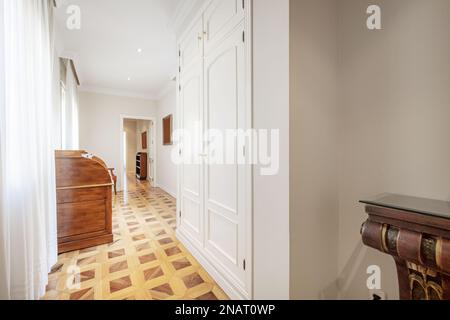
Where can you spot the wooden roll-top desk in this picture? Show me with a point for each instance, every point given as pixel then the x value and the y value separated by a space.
pixel 416 233
pixel 84 201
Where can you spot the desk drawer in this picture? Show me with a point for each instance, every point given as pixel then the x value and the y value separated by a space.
pixel 81 195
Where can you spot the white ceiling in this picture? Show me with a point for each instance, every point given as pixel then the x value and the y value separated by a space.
pixel 105 49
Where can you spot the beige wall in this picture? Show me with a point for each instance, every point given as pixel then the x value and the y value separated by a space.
pixel 130 127
pixel 392 112
pixel 395 111
pixel 100 119
pixel 313 159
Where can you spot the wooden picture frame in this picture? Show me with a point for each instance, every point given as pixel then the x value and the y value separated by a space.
pixel 144 141
pixel 167 124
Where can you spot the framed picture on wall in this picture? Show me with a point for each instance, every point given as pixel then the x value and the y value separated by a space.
pixel 167 130
pixel 144 140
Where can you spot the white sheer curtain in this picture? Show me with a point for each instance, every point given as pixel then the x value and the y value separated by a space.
pixel 70 112
pixel 3 252
pixel 27 196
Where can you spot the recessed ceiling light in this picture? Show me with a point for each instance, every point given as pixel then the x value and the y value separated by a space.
pixel 139 50
pixel 129 79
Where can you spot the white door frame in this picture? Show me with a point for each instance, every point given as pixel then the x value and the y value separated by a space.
pixel 154 138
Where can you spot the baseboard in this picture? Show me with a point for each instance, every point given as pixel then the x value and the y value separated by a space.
pixel 227 286
pixel 173 194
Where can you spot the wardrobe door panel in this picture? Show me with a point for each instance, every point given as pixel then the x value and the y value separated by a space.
pixel 223 236
pixel 191 173
pixel 191 48
pixel 225 192
pixel 220 18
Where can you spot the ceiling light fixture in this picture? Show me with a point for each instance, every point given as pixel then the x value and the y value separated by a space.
pixel 129 79
pixel 139 50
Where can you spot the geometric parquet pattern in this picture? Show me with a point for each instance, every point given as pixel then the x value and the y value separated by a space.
pixel 145 261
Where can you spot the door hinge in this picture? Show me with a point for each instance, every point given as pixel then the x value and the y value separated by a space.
pixel 180 88
pixel 243 36
pixel 180 214
pixel 244 265
pixel 179 69
pixel 243 4
pixel 179 53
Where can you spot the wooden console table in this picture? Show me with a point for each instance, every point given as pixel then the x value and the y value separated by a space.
pixel 416 233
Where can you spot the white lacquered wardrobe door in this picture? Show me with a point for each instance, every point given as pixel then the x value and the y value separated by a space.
pixel 220 18
pixel 191 48
pixel 191 172
pixel 225 187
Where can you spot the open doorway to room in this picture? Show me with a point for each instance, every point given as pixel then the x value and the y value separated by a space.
pixel 138 151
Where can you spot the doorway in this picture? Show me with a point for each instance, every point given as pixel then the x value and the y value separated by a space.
pixel 138 150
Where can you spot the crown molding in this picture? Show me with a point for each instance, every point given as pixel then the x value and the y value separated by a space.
pixel 183 12
pixel 117 93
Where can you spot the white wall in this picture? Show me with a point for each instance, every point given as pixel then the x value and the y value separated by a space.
pixel 100 124
pixel 166 175
pixel 271 111
pixel 395 115
pixel 314 146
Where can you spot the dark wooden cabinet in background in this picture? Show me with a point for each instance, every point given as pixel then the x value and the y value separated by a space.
pixel 416 233
pixel 141 166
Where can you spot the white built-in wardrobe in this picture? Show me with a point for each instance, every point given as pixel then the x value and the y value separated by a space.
pixel 215 201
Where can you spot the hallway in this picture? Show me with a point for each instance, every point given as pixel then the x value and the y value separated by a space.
pixel 145 262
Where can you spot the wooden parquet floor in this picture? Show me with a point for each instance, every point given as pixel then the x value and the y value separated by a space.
pixel 145 262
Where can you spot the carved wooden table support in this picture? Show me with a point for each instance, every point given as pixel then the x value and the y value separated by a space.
pixel 416 233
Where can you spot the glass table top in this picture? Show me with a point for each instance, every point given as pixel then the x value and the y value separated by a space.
pixel 436 208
